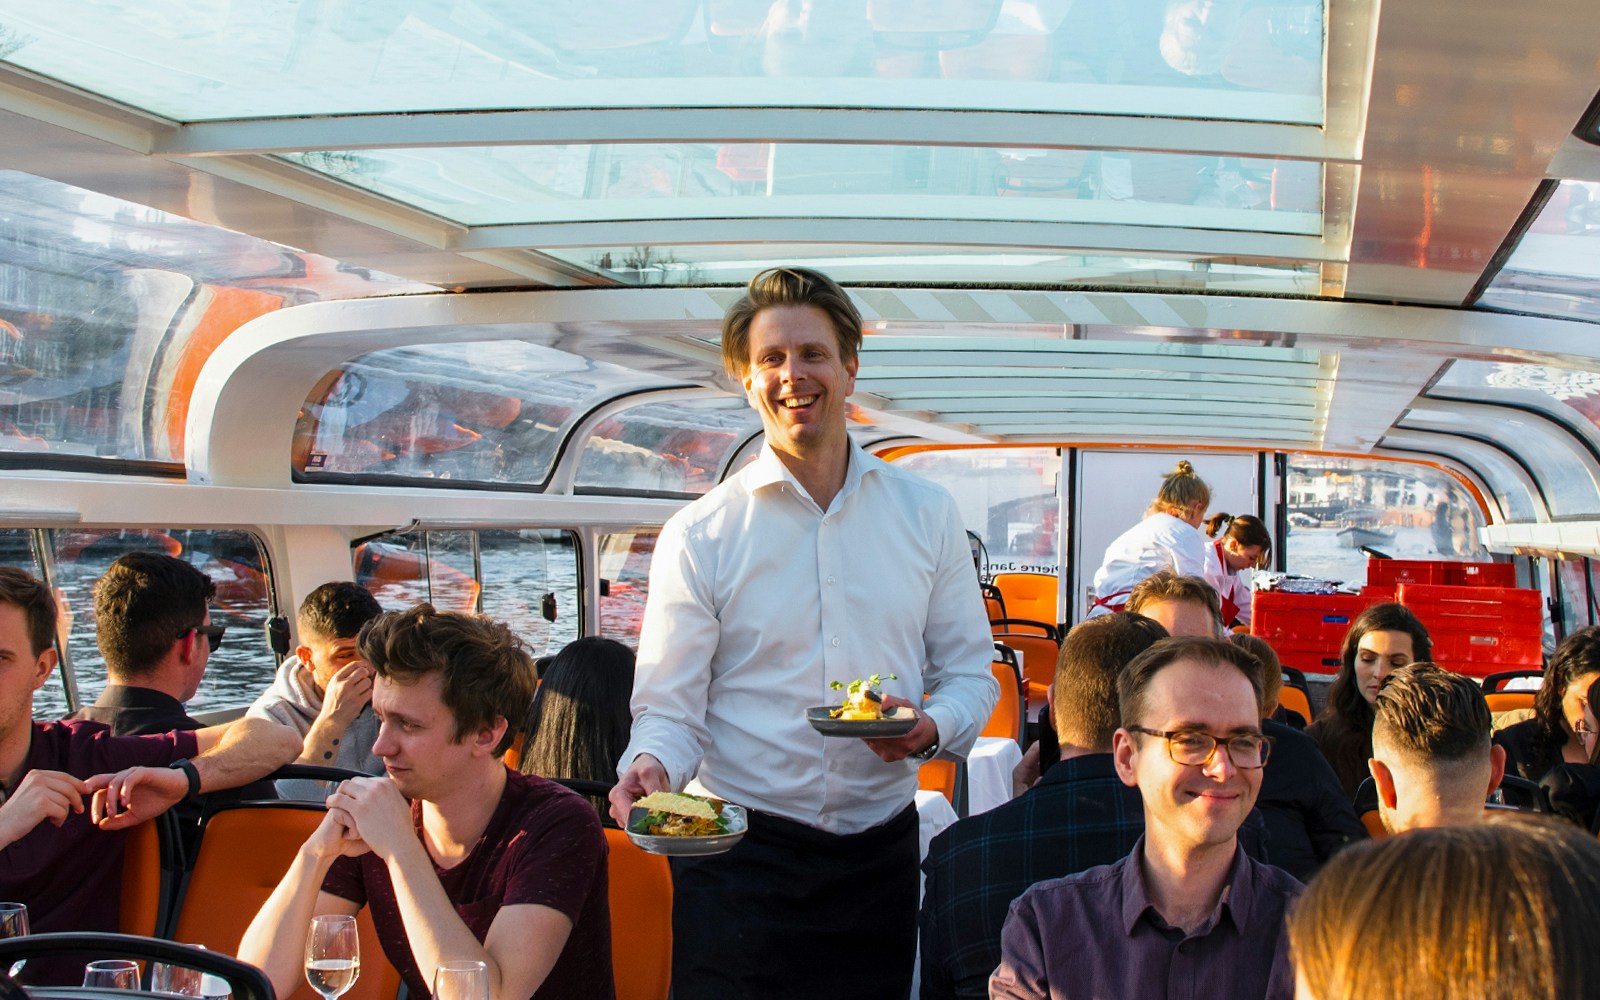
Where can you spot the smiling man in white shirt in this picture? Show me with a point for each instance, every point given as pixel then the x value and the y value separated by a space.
pixel 815 564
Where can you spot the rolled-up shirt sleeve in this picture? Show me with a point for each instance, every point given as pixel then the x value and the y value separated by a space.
pixel 960 646
pixel 1021 973
pixel 677 640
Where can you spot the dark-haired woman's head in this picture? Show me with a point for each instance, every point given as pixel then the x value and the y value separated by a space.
pixel 1557 706
pixel 1246 543
pixel 578 725
pixel 1382 639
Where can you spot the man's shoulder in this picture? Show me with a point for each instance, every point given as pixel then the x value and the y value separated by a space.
pixel 540 802
pixel 1090 889
pixel 83 747
pixel 1286 737
pixel 1271 880
pixel 1047 809
pixel 730 494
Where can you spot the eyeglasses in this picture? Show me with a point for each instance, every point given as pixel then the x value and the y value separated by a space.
pixel 1191 747
pixel 213 634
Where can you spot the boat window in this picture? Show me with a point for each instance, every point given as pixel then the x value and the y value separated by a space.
pixel 1404 510
pixel 735 264
pixel 1580 592
pixel 512 185
pixel 1009 497
pixel 526 578
pixel 1186 58
pixel 625 582
pixel 666 447
pixel 110 309
pixel 1555 268
pixel 1566 471
pixel 493 412
pixel 235 561
pixel 1570 395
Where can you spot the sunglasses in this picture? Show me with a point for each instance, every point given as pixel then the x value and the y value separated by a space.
pixel 213 634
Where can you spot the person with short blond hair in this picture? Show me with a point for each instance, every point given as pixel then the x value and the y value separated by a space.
pixel 1502 910
pixel 1184 605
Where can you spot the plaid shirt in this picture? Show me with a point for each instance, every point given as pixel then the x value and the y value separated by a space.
pixel 1079 816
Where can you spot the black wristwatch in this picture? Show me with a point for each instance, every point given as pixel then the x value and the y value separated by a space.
pixel 191 772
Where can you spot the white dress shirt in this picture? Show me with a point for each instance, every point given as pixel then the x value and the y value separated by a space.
pixel 1158 542
pixel 758 600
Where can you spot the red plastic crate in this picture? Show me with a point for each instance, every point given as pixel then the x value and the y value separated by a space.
pixel 1481 654
pixel 1480 574
pixel 1304 617
pixel 1381 594
pixel 1311 657
pixel 1394 572
pixel 1472 600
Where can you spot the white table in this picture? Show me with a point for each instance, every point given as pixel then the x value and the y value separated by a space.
pixel 989 768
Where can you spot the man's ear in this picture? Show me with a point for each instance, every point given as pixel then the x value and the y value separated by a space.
pixel 489 737
pixel 303 654
pixel 1122 754
pixel 1383 778
pixel 44 666
pixel 1497 767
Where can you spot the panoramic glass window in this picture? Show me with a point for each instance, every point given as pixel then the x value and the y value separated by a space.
pixel 665 447
pixel 1555 269
pixel 110 310
pixel 1579 604
pixel 1571 394
pixel 735 264
pixel 1337 506
pixel 1009 498
pixel 526 578
pixel 625 582
pixel 215 59
pixel 489 412
pixel 236 563
pixel 497 185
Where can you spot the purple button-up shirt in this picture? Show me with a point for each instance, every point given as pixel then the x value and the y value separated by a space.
pixel 1097 936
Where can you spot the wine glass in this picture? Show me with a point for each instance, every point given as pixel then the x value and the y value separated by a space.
pixel 14 923
pixel 333 955
pixel 461 981
pixel 112 974
pixel 176 980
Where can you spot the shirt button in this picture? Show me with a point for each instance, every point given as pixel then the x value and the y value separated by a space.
pixel 831 580
pixel 836 640
pixel 1183 949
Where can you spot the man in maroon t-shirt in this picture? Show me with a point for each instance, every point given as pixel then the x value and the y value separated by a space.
pixel 65 860
pixel 482 863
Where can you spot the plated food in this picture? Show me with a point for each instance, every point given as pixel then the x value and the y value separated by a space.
pixel 676 824
pixel 861 714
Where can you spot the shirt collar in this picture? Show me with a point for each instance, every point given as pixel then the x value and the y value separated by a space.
pixel 1081 768
pixel 768 470
pixel 129 696
pixel 1234 904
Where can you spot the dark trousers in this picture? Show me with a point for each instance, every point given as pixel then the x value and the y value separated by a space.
pixel 793 911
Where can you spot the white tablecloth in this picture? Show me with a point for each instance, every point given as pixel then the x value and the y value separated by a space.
pixel 989 768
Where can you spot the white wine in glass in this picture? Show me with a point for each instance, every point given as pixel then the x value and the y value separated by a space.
pixel 333 955
pixel 466 980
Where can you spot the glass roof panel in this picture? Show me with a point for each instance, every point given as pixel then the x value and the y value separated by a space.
pixel 491 412
pixel 736 264
pixel 1557 461
pixel 109 309
pixel 499 185
pixel 1555 269
pixel 671 447
pixel 193 60
pixel 1571 395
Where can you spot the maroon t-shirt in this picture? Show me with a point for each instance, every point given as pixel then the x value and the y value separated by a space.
pixel 543 846
pixel 71 878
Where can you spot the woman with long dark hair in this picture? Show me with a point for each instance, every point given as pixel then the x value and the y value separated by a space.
pixel 578 724
pixel 1382 639
pixel 1245 544
pixel 1536 745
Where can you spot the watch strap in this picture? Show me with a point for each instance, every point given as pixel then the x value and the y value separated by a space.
pixel 191 772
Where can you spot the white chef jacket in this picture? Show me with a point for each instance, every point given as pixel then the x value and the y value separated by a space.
pixel 1230 585
pixel 758 600
pixel 1158 542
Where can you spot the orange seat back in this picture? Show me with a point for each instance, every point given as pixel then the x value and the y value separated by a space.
pixel 1509 701
pixel 938 776
pixel 145 881
pixel 641 919
pixel 1295 700
pixel 513 757
pixel 1009 712
pixel 1039 655
pixel 243 855
pixel 1029 595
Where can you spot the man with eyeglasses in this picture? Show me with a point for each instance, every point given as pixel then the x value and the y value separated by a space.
pixel 1187 913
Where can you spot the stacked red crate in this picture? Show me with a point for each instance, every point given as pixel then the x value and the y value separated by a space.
pixel 1480 630
pixel 1305 630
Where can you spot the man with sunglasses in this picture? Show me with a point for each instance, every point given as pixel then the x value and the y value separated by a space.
pixel 1187 913
pixel 155 632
